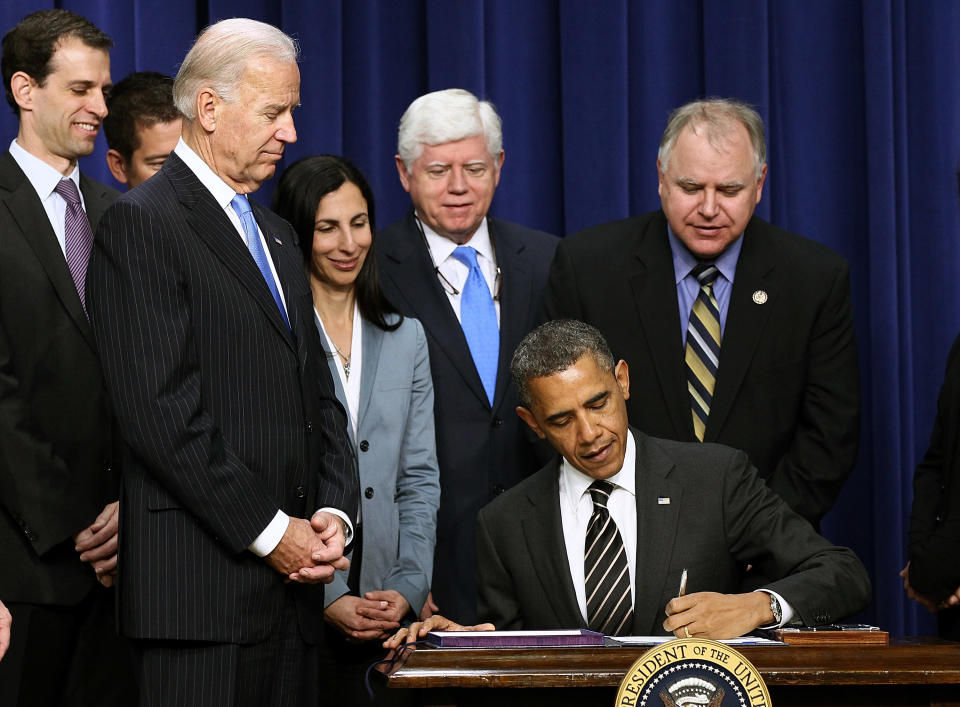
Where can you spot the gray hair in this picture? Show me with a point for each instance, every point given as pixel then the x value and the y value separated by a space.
pixel 446 116
pixel 554 347
pixel 715 115
pixel 219 57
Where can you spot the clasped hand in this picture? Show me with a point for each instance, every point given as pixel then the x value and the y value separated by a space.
pixel 311 551
pixel 97 543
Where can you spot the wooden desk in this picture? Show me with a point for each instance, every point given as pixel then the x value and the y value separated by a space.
pixel 907 672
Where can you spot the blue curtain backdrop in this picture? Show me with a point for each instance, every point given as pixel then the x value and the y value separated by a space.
pixel 862 105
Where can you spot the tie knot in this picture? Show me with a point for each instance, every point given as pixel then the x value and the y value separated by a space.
pixel 705 273
pixel 467 255
pixel 240 204
pixel 600 492
pixel 68 190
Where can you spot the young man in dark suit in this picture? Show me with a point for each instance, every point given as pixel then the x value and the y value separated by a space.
pixel 772 366
pixel 239 484
pixel 450 153
pixel 59 478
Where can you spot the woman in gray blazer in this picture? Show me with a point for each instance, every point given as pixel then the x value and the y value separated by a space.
pixel 381 370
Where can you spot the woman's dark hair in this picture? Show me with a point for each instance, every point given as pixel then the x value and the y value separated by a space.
pixel 302 186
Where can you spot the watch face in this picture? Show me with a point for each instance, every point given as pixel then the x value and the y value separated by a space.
pixel 775 609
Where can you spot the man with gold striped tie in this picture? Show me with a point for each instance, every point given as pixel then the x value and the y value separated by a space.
pixel 742 333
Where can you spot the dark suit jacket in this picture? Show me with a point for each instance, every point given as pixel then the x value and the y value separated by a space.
pixel 56 473
pixel 482 450
pixel 720 517
pixel 787 391
pixel 935 517
pixel 226 415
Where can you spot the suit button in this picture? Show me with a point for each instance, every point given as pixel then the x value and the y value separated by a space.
pixel 496 422
pixel 309 427
pixel 364 446
pixel 939 518
pixel 498 489
pixel 300 491
pixel 368 492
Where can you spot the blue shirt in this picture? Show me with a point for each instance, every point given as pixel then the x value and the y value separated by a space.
pixel 687 286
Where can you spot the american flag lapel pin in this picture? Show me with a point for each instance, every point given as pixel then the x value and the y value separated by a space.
pixel 663 500
pixel 277 241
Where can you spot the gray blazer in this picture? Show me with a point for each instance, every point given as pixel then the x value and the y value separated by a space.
pixel 397 459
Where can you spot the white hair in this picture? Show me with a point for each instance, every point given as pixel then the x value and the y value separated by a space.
pixel 716 116
pixel 446 116
pixel 219 57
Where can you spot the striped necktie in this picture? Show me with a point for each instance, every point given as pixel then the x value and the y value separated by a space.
pixel 77 237
pixel 605 570
pixel 703 347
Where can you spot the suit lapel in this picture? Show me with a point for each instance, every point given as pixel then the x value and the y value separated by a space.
pixel 515 298
pixel 372 344
pixel 543 534
pixel 657 530
pixel 745 323
pixel 212 226
pixel 655 295
pixel 27 210
pixel 424 295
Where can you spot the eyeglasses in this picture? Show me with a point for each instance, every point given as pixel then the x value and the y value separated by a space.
pixel 444 282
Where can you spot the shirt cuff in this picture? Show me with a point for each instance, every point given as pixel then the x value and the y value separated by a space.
pixel 786 611
pixel 348 530
pixel 267 541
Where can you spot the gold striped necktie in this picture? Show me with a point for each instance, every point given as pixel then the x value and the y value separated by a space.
pixel 703 347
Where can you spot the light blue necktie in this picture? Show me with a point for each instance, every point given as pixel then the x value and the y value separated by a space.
pixel 478 319
pixel 242 207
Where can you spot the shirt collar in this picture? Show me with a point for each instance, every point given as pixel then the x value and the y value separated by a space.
pixel 42 176
pixel 222 192
pixel 577 483
pixel 684 261
pixel 441 248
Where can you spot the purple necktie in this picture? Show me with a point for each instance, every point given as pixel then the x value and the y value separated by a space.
pixel 77 237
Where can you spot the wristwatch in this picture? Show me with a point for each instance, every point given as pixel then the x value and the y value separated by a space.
pixel 775 610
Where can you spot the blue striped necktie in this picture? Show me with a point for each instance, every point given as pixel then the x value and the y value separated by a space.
pixel 478 319
pixel 241 205
pixel 703 347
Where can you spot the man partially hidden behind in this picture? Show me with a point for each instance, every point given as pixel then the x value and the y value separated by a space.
pixel 233 435
pixel 142 126
pixel 742 332
pixel 59 479
pixel 600 537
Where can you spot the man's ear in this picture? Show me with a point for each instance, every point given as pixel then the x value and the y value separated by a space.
pixel 622 374
pixel 21 87
pixel 206 105
pixel 531 421
pixel 117 165
pixel 402 173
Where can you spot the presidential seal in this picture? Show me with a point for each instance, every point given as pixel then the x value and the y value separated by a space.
pixel 692 672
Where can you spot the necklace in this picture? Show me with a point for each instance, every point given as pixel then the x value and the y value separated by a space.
pixel 346 359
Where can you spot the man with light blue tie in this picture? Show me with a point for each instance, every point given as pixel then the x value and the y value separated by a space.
pixel 475 283
pixel 239 487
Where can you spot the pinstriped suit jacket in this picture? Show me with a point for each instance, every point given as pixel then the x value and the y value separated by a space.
pixel 226 416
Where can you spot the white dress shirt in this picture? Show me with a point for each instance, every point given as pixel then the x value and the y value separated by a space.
pixel 44 180
pixel 456 272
